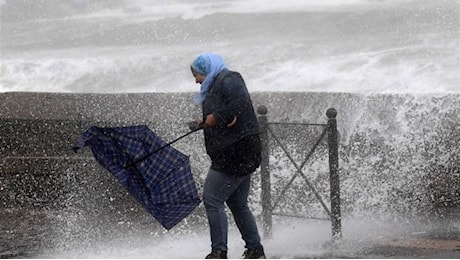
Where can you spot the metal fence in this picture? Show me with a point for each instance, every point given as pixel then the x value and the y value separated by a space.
pixel 269 202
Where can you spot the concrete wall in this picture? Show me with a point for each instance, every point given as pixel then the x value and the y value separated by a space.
pixel 386 138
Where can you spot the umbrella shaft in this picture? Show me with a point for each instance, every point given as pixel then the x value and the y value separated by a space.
pixel 168 144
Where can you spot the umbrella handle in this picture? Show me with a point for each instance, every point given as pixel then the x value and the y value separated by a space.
pixel 168 144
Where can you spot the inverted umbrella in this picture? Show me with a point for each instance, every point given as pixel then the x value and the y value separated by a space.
pixel 156 174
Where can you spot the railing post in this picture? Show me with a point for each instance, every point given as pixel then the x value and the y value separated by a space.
pixel 331 113
pixel 265 172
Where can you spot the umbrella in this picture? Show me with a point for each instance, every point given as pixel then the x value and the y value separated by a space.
pixel 156 174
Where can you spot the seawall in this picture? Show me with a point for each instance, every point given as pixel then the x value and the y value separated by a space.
pixel 398 154
pixel 384 138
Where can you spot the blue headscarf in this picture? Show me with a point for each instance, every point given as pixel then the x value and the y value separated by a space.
pixel 208 64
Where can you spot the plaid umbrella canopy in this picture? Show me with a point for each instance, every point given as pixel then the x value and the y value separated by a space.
pixel 156 174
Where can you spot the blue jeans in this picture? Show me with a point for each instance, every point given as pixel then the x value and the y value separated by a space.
pixel 218 189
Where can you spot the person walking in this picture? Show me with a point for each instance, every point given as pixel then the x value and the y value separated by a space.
pixel 232 141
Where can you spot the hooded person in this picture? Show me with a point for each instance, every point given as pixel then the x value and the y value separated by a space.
pixel 232 141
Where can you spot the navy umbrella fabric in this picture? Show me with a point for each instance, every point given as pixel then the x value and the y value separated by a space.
pixel 156 174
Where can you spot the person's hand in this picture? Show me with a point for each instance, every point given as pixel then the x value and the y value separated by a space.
pixel 196 125
pixel 211 121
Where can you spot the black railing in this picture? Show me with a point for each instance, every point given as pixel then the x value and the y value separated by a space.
pixel 267 205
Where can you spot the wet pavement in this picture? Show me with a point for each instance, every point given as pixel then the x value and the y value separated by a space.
pixel 32 233
pixel 415 248
pixel 419 248
pixel 440 241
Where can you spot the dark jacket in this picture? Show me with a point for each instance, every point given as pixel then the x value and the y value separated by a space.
pixel 234 150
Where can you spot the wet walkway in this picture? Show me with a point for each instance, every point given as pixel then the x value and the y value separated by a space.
pixel 424 247
pixel 441 241
pixel 33 234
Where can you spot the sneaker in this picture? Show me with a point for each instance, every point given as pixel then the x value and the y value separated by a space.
pixel 217 254
pixel 257 253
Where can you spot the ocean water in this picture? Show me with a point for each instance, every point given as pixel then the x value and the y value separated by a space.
pixel 114 46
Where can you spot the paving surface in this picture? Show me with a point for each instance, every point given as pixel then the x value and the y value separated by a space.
pixel 442 242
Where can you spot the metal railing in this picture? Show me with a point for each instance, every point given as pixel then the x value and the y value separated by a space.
pixel 329 129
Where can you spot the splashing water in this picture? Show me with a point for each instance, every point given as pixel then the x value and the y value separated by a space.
pixel 391 69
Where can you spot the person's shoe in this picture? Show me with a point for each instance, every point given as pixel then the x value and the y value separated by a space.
pixel 217 254
pixel 257 253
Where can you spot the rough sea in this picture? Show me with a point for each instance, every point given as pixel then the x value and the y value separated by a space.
pixel 115 46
